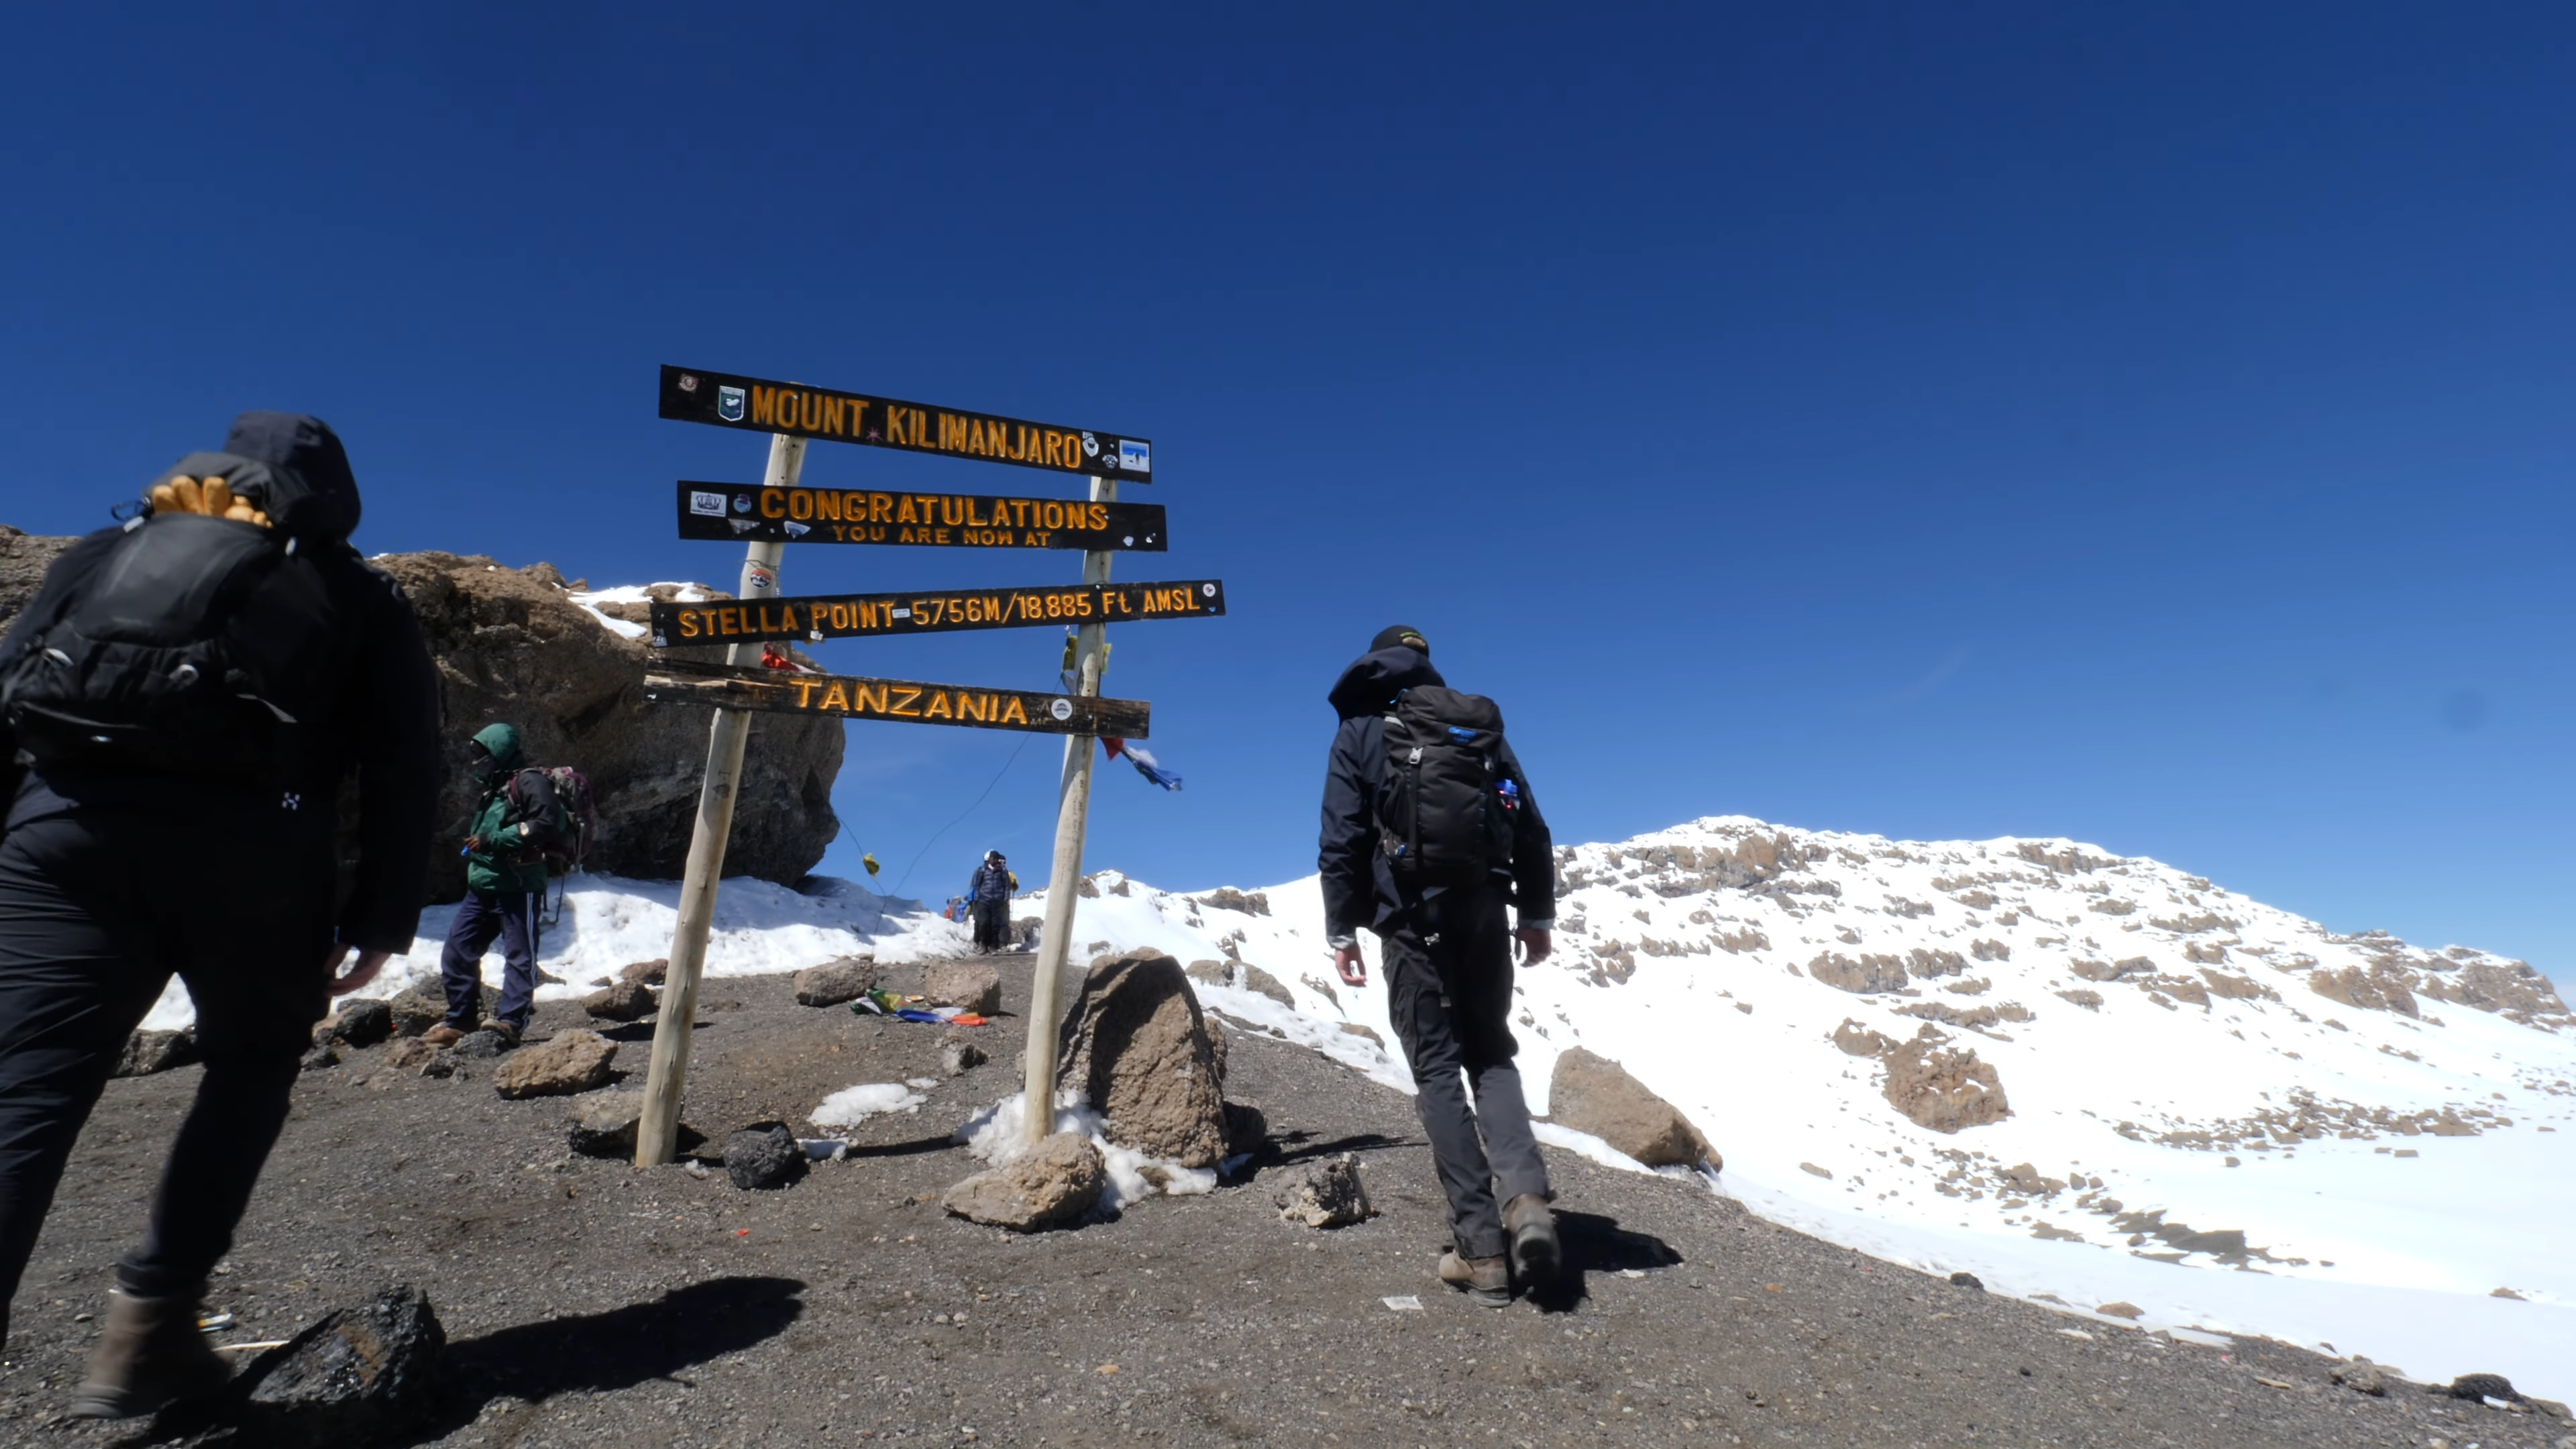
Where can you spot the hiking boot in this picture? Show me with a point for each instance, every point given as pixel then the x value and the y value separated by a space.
pixel 1533 1233
pixel 1487 1280
pixel 509 1034
pixel 442 1036
pixel 151 1356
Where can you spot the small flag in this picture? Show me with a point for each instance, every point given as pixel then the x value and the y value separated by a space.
pixel 870 862
pixel 1143 759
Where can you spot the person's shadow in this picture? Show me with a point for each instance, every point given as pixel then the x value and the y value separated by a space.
pixel 1590 1243
pixel 617 1349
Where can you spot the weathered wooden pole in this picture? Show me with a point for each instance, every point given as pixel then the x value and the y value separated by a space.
pixel 1072 814
pixel 657 1136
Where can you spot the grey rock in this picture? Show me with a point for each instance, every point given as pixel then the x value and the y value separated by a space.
pixel 362 1375
pixel 958 1056
pixel 147 1052
pixel 1137 1047
pixel 1057 1181
pixel 1591 1093
pixel 479 1046
pixel 2484 1386
pixel 361 1023
pixel 2361 1376
pixel 966 985
pixel 846 978
pixel 621 1001
pixel 573 1061
pixel 325 1054
pixel 1246 1128
pixel 603 1125
pixel 1325 1194
pixel 1262 983
pixel 1968 1280
pixel 763 1157
pixel 1211 973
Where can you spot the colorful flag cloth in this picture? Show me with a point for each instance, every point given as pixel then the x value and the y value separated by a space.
pixel 773 657
pixel 1143 759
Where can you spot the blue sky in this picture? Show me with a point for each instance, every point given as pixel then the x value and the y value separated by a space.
pixel 2151 426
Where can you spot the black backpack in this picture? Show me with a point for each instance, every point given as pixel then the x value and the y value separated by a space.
pixel 169 659
pixel 565 840
pixel 1444 816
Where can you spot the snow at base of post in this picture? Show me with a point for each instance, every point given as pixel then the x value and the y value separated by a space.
pixel 994 1136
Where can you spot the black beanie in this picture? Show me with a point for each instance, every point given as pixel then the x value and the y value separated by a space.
pixel 1405 634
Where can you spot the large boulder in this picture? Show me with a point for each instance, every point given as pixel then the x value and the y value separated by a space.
pixel 1057 1181
pixel 572 1061
pixel 844 978
pixel 1137 1047
pixel 362 1375
pixel 966 985
pixel 1943 1088
pixel 1594 1094
pixel 511 644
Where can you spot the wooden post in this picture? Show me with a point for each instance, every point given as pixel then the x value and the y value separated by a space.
pixel 657 1136
pixel 1072 814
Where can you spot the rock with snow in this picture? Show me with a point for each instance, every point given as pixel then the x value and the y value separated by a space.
pixel 1326 1194
pixel 1136 1046
pixel 958 1056
pixel 1056 1182
pixel 147 1052
pixel 367 1374
pixel 764 1157
pixel 569 1062
pixel 621 1001
pixel 845 979
pixel 1590 1093
pixel 966 985
pixel 1943 1087
pixel 1262 983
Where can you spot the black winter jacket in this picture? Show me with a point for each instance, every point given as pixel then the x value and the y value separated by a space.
pixel 1360 888
pixel 376 714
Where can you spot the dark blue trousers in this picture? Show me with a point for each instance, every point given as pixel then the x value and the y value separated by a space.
pixel 512 916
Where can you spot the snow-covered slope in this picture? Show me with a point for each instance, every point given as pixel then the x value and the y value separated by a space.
pixel 2221 1115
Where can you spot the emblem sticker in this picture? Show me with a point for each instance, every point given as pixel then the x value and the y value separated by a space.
pixel 688 382
pixel 729 404
pixel 1135 457
pixel 710 505
pixel 797 530
pixel 763 578
pixel 1090 446
pixel 742 503
pixel 1062 709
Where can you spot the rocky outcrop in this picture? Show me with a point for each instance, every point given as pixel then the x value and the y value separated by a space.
pixel 1137 1047
pixel 511 644
pixel 2383 988
pixel 1058 1181
pixel 1946 1089
pixel 1594 1094
pixel 1868 974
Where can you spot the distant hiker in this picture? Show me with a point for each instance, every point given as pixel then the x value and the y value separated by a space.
pixel 1430 835
pixel 179 705
pixel 515 822
pixel 988 894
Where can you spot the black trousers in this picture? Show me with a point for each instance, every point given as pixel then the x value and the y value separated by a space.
pixel 98 909
pixel 992 923
pixel 1448 970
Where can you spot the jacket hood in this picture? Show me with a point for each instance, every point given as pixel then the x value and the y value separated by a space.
pixel 1374 680
pixel 502 740
pixel 292 466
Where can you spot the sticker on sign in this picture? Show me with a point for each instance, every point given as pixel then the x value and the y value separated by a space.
pixel 710 505
pixel 1135 456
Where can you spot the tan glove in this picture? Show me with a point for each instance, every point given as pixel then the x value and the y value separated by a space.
pixel 213 498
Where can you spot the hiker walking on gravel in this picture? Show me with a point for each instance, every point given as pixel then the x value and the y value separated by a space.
pixel 1430 838
pixel 988 893
pixel 505 883
pixel 183 698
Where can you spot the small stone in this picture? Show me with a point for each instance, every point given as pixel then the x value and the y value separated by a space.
pixel 480 1046
pixel 845 978
pixel 574 1061
pixel 763 1157
pixel 147 1052
pixel 440 1065
pixel 958 1056
pixel 361 1023
pixel 2361 1376
pixel 1324 1194
pixel 2121 1310
pixel 2485 1386
pixel 603 1124
pixel 2550 1408
pixel 1246 1128
pixel 645 973
pixel 1057 1181
pixel 1967 1280
pixel 325 1054
pixel 362 1375
pixel 416 1011
pixel 621 1001
pixel 966 985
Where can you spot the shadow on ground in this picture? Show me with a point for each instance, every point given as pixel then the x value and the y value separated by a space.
pixel 1590 1243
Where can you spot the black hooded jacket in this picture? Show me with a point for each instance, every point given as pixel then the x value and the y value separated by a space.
pixel 374 710
pixel 1359 887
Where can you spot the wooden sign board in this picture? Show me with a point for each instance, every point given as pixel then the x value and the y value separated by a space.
pixel 728 400
pixel 780 691
pixel 857 616
pixel 949 520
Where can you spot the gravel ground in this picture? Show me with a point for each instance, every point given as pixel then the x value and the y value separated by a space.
pixel 587 1303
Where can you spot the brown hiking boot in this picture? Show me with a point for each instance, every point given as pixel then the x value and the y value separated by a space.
pixel 1532 1227
pixel 151 1356
pixel 1487 1280
pixel 442 1036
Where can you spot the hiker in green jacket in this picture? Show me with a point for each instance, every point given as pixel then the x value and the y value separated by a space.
pixel 505 881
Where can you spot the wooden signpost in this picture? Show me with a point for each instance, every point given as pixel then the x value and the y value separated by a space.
pixel 859 616
pixel 779 510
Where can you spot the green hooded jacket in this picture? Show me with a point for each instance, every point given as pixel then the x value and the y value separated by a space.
pixel 510 859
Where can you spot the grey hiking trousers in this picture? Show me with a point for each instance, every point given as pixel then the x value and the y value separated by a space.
pixel 1448 971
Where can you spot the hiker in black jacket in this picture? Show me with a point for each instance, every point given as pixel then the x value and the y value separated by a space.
pixel 1447 952
pixel 136 850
